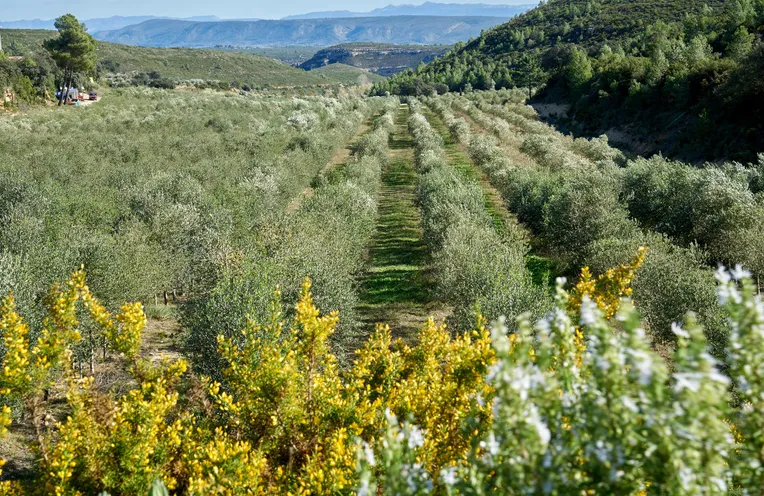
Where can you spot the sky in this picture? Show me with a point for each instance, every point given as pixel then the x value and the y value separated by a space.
pixel 14 10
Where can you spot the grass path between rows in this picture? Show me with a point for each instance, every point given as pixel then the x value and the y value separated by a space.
pixel 397 282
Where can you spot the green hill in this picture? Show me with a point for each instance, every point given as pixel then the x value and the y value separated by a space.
pixel 381 58
pixel 176 63
pixel 346 74
pixel 678 76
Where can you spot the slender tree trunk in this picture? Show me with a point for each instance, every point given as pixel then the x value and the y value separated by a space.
pixel 65 86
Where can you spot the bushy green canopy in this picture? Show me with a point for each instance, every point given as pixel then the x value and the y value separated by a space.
pixel 75 49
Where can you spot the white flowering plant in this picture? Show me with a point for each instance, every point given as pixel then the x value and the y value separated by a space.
pixel 611 417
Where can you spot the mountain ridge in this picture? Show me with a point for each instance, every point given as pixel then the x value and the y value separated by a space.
pixel 426 9
pixel 100 23
pixel 422 30
pixel 378 58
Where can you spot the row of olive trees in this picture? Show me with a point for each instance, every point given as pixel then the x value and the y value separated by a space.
pixel 322 234
pixel 572 204
pixel 721 208
pixel 167 192
pixel 718 207
pixel 475 264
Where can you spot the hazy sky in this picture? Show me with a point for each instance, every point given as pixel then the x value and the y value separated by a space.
pixel 13 10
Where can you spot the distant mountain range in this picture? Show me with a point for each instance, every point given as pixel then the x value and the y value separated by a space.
pixel 99 24
pixel 426 30
pixel 426 9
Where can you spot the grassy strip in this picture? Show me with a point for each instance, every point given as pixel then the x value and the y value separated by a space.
pixel 395 282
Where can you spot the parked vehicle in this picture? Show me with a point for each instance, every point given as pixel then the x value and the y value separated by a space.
pixel 93 96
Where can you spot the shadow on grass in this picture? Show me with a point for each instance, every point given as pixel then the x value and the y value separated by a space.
pixel 398 253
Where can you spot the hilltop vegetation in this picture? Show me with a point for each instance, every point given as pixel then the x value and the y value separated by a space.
pixel 292 55
pixel 379 58
pixel 347 74
pixel 668 73
pixel 184 64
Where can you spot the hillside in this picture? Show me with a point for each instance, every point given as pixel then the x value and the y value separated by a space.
pixel 346 74
pixel 181 63
pixel 292 55
pixel 659 75
pixel 382 59
pixel 426 9
pixel 312 32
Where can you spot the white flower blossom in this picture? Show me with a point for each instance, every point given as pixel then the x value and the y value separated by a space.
pixel 448 476
pixel 738 273
pixel 678 331
pixel 368 454
pixel 588 312
pixel 415 438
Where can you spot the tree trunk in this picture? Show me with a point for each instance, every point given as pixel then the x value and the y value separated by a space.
pixel 65 86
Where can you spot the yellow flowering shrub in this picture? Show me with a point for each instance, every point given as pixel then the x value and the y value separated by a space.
pixel 122 444
pixel 608 289
pixel 286 395
pixel 439 383
pixel 477 413
pixel 284 419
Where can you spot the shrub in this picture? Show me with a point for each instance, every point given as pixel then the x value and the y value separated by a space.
pixel 474 265
pixel 562 403
pixel 572 429
pixel 582 209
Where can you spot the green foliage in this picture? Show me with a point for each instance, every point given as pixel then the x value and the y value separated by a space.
pixel 186 191
pixel 661 69
pixel 73 50
pixel 709 206
pixel 570 197
pixel 475 265
pixel 578 71
pixel 298 242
